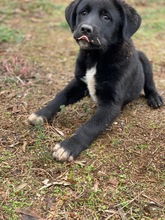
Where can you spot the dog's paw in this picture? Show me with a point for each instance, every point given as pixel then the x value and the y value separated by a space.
pixel 35 119
pixel 155 101
pixel 67 150
pixel 61 153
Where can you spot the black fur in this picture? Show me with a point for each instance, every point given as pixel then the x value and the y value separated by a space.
pixel 103 29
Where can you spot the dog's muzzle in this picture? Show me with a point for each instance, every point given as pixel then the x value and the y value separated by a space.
pixel 86 37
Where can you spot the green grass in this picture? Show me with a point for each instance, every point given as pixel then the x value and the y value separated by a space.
pixel 45 6
pixel 48 7
pixel 152 23
pixel 8 9
pixel 157 1
pixel 10 35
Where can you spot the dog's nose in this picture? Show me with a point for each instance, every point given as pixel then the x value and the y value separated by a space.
pixel 86 29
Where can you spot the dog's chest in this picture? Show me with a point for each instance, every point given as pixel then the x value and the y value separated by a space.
pixel 90 80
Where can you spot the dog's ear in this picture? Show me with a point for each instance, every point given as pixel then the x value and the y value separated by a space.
pixel 131 20
pixel 70 14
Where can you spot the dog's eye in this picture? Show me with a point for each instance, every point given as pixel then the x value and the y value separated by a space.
pixel 106 17
pixel 84 12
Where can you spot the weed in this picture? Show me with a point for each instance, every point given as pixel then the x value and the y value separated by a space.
pixel 17 200
pixel 10 35
pixel 10 80
pixel 89 154
pixel 142 146
pixel 62 109
pixel 116 141
pixel 14 205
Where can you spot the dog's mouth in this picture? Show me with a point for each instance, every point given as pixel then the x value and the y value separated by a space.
pixel 86 43
pixel 83 38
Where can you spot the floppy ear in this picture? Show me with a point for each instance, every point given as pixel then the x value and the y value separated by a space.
pixel 70 14
pixel 131 20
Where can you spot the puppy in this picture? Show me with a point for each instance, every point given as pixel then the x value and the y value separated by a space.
pixel 108 68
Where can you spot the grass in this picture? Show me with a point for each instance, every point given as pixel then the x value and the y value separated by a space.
pixel 10 35
pixel 122 174
pixel 156 26
pixel 47 7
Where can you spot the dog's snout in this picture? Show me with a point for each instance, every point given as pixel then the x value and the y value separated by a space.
pixel 86 29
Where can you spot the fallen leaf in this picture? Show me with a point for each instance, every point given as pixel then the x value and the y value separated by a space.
pixel 113 182
pixel 27 214
pixel 24 146
pixel 63 183
pixel 45 182
pixel 96 187
pixel 21 186
pixel 81 163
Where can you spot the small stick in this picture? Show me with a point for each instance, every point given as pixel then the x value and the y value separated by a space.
pixel 147 197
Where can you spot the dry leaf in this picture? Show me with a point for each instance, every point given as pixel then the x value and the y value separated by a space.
pixel 27 214
pixel 20 187
pixel 24 146
pixel 63 183
pixel 96 187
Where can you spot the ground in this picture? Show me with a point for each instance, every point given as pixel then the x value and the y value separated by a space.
pixel 122 174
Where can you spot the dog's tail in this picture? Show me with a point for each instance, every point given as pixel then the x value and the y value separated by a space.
pixel 151 93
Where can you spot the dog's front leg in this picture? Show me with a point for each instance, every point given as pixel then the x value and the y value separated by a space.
pixel 72 93
pixel 70 148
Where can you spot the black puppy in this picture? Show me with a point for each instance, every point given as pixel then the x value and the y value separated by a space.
pixel 108 68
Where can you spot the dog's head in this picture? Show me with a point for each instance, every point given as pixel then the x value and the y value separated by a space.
pixel 97 24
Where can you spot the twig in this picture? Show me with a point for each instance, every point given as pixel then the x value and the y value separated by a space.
pixel 122 214
pixel 42 170
pixel 130 200
pixel 62 183
pixel 149 198
pixel 112 213
pixel 81 163
pixel 20 80
pixel 59 132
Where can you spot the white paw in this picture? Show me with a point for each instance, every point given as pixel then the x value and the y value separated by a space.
pixel 35 120
pixel 60 153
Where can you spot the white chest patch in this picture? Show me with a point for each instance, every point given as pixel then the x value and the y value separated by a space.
pixel 89 79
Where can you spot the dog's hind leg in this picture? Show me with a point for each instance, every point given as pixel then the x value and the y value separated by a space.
pixel 153 98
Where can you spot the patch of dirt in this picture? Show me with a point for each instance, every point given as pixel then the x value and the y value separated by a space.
pixel 122 174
